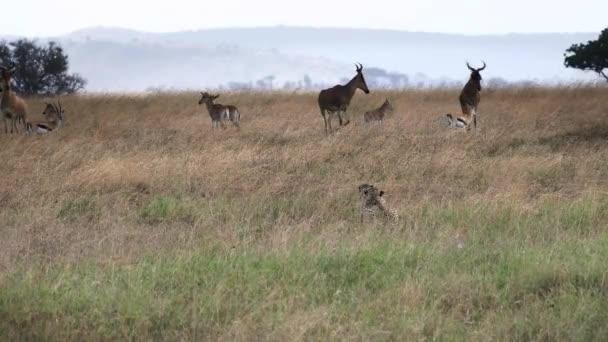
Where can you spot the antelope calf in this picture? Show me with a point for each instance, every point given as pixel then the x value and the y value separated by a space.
pixel 337 99
pixel 218 112
pixel 469 100
pixel 379 113
pixel 53 115
pixel 12 106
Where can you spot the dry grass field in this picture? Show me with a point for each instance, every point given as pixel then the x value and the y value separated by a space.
pixel 136 221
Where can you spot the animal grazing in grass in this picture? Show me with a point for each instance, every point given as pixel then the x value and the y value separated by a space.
pixel 373 205
pixel 220 113
pixel 379 113
pixel 12 106
pixel 469 101
pixel 336 100
pixel 53 115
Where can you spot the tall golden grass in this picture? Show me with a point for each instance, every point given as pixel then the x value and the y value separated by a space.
pixel 133 176
pixel 119 150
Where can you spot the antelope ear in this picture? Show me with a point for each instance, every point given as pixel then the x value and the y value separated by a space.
pixel 215 97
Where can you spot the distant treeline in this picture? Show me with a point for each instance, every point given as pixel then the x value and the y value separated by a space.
pixel 375 77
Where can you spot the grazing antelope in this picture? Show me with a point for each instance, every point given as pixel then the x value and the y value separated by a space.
pixel 218 112
pixel 12 106
pixel 337 99
pixel 469 100
pixel 53 115
pixel 378 114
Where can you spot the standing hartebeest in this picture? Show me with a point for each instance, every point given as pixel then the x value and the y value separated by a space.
pixel 12 106
pixel 469 100
pixel 336 99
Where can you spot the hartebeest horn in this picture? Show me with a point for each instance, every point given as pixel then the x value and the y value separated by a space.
pixel 483 67
pixel 359 67
pixel 470 67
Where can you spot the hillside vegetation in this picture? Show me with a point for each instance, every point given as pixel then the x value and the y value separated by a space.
pixel 136 221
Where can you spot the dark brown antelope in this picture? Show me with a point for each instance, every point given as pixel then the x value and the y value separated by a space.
pixel 379 113
pixel 53 115
pixel 12 106
pixel 336 100
pixel 218 112
pixel 469 100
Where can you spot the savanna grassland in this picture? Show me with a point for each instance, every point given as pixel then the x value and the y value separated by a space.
pixel 136 221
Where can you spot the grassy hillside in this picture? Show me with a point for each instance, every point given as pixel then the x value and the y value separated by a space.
pixel 136 220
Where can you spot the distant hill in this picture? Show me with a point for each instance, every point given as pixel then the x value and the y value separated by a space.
pixel 120 59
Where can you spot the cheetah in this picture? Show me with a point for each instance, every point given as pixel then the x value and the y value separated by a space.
pixel 373 203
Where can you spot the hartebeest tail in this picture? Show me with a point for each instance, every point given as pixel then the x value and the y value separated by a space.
pixel 12 106
pixel 337 99
pixel 53 115
pixel 469 100
pixel 218 112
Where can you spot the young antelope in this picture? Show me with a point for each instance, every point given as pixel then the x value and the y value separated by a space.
pixel 379 113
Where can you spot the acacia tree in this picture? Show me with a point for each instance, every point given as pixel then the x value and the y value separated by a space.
pixel 590 56
pixel 39 70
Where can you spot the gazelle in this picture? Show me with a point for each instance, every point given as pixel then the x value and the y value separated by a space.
pixel 54 117
pixel 469 100
pixel 12 106
pixel 337 99
pixel 379 113
pixel 218 112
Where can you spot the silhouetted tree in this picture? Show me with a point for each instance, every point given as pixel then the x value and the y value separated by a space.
pixel 591 56
pixel 39 70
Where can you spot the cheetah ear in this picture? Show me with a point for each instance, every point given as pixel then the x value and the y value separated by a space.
pixel 381 193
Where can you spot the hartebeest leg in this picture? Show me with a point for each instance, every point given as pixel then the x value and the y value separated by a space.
pixel 324 115
pixel 5 127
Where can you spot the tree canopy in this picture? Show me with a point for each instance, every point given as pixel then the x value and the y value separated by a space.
pixel 39 70
pixel 590 56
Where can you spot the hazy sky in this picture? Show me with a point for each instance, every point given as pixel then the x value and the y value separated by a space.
pixel 55 17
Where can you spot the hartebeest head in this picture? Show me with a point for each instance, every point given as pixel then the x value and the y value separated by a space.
pixel 7 74
pixel 359 80
pixel 475 74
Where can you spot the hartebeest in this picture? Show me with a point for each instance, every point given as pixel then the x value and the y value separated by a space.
pixel 218 112
pixel 12 106
pixel 337 99
pixel 53 115
pixel 469 100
